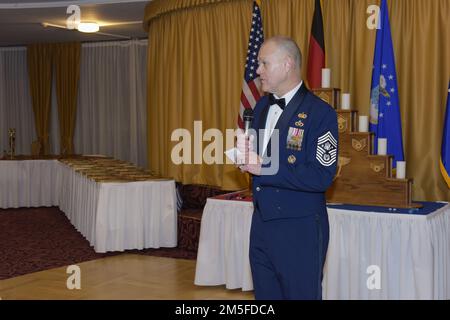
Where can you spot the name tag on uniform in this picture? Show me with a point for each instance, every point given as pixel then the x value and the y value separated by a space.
pixel 294 138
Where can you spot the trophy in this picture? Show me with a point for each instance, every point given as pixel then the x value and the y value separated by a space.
pixel 12 142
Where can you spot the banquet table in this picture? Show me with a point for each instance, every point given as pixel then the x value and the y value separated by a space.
pixel 408 249
pixel 111 215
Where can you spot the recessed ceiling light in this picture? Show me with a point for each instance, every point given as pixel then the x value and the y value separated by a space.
pixel 88 27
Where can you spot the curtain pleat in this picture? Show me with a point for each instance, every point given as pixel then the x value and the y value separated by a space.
pixel 39 58
pixel 16 109
pixel 67 67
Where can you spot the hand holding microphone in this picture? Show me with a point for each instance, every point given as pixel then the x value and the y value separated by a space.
pixel 248 159
pixel 243 137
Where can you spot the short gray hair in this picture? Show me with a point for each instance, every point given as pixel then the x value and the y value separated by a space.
pixel 290 47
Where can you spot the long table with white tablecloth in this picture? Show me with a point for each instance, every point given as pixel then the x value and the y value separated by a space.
pixel 112 216
pixel 409 252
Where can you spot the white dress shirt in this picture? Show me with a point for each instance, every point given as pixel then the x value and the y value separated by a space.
pixel 274 114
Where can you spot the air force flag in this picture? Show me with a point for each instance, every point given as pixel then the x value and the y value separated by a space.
pixel 385 119
pixel 445 148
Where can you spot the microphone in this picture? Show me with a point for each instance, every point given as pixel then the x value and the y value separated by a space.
pixel 248 117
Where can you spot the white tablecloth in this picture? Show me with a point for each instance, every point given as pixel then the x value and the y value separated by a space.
pixel 112 216
pixel 411 251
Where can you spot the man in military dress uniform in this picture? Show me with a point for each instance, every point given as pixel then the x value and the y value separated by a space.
pixel 290 231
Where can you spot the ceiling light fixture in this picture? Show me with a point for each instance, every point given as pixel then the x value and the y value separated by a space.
pixel 88 27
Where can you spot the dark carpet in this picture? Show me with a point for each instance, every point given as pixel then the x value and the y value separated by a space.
pixel 36 239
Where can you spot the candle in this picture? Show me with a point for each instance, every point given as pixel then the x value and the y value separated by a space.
pixel 345 101
pixel 363 124
pixel 401 170
pixel 326 76
pixel 382 146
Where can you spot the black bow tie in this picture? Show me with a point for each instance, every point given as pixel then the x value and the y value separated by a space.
pixel 280 102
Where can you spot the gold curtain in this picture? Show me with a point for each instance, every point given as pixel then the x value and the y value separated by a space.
pixel 196 62
pixel 195 70
pixel 39 58
pixel 67 69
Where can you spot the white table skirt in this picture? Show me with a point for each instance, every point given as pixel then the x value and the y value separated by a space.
pixel 111 216
pixel 222 256
pixel 412 252
pixel 27 183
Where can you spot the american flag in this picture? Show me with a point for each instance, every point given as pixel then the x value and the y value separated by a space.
pixel 251 85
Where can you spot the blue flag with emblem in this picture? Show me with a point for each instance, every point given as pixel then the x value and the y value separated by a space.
pixel 385 121
pixel 445 147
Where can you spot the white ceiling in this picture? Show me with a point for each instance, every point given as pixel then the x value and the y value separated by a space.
pixel 21 22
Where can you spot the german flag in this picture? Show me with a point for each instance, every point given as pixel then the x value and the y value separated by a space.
pixel 316 56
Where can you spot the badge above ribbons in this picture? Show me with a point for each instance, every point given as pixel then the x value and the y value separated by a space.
pixel 326 152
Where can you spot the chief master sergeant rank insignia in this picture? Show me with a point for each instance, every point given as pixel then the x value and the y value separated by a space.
pixel 326 149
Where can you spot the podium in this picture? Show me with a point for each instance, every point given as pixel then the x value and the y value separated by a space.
pixel 363 178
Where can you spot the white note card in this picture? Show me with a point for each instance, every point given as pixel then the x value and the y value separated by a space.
pixel 233 154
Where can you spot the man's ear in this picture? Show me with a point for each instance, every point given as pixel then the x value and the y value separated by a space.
pixel 289 64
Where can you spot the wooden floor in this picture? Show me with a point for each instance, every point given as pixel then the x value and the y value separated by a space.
pixel 120 277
